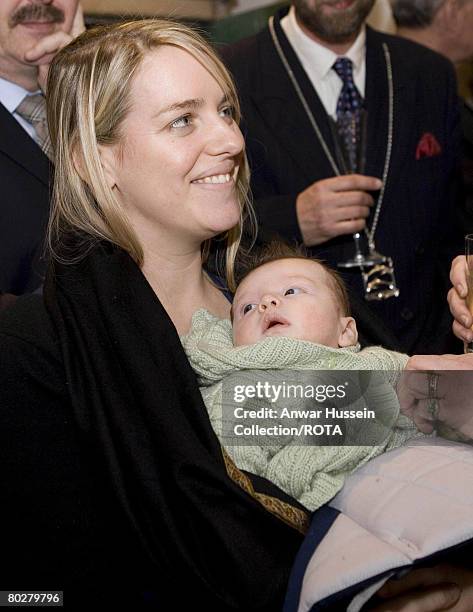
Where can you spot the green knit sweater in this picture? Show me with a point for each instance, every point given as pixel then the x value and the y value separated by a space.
pixel 309 469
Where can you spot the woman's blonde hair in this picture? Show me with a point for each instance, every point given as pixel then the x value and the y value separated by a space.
pixel 88 95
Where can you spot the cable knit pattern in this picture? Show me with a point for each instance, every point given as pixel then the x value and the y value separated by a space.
pixel 311 473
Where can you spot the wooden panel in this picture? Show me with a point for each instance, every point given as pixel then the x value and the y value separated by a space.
pixel 191 9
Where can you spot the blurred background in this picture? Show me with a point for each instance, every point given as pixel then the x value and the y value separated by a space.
pixel 226 21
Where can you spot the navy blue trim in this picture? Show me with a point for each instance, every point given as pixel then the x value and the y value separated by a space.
pixel 322 520
pixel 221 285
pixel 341 599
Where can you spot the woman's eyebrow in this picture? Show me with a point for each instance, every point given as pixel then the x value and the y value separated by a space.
pixel 191 104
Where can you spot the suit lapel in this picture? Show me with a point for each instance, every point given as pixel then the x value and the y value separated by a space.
pixel 377 105
pixel 16 144
pixel 282 110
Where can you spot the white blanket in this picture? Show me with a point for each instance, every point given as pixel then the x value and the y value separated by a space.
pixel 400 507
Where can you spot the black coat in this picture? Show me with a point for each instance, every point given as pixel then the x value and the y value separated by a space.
pixel 114 486
pixel 418 225
pixel 24 207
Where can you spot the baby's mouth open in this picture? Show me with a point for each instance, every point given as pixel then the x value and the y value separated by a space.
pixel 274 322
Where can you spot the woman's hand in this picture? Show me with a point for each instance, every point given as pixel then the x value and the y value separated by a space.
pixel 443 587
pixel 457 300
pixel 436 391
pixel 440 363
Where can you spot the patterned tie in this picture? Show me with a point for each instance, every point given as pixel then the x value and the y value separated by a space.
pixel 33 109
pixel 349 109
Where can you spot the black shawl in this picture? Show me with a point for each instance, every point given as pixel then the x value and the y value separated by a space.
pixel 206 539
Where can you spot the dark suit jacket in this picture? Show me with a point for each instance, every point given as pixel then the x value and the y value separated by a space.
pixel 24 207
pixel 467 159
pixel 418 225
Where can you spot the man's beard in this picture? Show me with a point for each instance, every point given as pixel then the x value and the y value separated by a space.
pixel 334 28
pixel 36 12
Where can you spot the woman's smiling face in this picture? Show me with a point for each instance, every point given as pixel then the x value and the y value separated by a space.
pixel 175 167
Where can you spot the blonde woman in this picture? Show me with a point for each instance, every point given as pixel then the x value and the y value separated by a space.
pixel 124 489
pixel 114 486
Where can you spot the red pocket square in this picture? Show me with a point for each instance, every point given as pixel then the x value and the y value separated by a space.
pixel 428 146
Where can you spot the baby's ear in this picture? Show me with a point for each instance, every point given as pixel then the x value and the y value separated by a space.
pixel 348 334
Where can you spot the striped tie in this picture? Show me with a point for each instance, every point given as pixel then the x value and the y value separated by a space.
pixel 33 109
pixel 349 109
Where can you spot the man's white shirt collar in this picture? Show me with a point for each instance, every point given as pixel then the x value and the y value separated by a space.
pixel 318 61
pixel 11 95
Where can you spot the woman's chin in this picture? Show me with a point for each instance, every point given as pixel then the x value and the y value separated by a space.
pixel 224 223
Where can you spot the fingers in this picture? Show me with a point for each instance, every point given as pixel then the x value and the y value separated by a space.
pixel 422 363
pixel 335 206
pixel 458 275
pixel 440 363
pixel 457 302
pixel 78 25
pixel 422 416
pixel 354 182
pixel 457 362
pixel 355 199
pixel 348 227
pixel 430 599
pixel 462 333
pixel 462 315
pixel 420 578
pixel 43 52
pixel 342 206
pixel 47 47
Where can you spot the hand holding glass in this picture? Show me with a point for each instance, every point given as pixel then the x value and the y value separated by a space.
pixel 377 270
pixel 469 280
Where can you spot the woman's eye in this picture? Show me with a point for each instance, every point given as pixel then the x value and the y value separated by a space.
pixel 182 122
pixel 292 291
pixel 248 307
pixel 228 111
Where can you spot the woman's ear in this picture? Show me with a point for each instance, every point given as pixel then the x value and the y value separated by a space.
pixel 108 160
pixel 78 164
pixel 349 334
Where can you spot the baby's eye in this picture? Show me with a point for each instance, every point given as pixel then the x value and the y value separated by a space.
pixel 248 307
pixel 293 291
pixel 182 122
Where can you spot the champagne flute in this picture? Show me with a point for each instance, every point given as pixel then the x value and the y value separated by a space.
pixel 469 280
pixel 377 270
pixel 352 164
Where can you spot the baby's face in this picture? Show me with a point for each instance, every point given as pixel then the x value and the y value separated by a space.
pixel 291 298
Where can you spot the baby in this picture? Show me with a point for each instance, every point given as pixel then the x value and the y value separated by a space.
pixel 291 313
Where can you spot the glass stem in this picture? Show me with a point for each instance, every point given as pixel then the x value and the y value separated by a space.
pixel 357 239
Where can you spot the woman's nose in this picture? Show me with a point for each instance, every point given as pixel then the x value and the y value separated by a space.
pixel 268 301
pixel 225 138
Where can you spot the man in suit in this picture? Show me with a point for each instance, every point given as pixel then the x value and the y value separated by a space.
pixel 446 26
pixel 31 32
pixel 291 95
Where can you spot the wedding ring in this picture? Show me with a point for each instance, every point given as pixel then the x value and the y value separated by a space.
pixel 432 384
